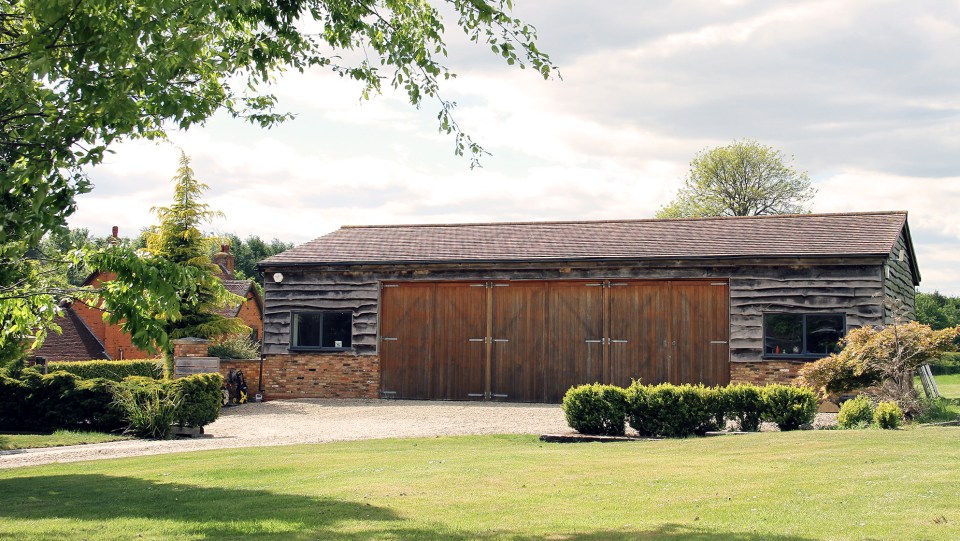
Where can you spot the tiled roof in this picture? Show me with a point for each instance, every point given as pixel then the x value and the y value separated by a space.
pixel 77 343
pixel 798 235
pixel 237 287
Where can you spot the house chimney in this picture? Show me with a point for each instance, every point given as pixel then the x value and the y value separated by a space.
pixel 225 260
pixel 114 237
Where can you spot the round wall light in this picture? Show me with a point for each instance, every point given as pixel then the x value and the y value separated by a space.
pixel 278 277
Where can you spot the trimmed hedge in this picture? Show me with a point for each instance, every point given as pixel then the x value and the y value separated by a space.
pixel 202 398
pixel 596 409
pixel 789 407
pixel 112 370
pixel 673 411
pixel 35 402
pixel 679 411
pixel 745 405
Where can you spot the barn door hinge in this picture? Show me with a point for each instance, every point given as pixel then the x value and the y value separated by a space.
pixel 718 341
pixel 718 283
pixel 476 395
pixel 484 340
pixel 389 285
pixel 388 338
pixel 495 395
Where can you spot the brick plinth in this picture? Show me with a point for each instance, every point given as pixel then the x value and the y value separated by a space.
pixel 308 375
pixel 191 347
pixel 766 372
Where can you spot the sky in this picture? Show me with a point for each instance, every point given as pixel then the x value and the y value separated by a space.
pixel 862 95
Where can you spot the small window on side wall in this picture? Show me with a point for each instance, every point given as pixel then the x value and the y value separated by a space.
pixel 802 335
pixel 322 330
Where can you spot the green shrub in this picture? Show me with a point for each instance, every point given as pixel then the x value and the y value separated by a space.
pixel 745 404
pixel 789 407
pixel 936 410
pixel 112 370
pixel 639 413
pixel 596 409
pixel 59 400
pixel 150 406
pixel 202 398
pixel 856 413
pixel 888 415
pixel 236 347
pixel 672 411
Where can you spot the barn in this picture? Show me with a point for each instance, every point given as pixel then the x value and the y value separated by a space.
pixel 522 311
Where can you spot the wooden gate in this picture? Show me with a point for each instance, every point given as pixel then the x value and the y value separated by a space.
pixel 530 341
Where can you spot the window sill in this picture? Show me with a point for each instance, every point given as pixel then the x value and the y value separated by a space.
pixel 320 350
pixel 782 357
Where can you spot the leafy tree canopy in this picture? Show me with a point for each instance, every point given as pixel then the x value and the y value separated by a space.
pixel 80 75
pixel 743 178
pixel 937 310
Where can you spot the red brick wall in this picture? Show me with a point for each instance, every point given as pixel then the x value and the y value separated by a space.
pixel 314 375
pixel 250 369
pixel 765 372
pixel 115 342
pixel 250 314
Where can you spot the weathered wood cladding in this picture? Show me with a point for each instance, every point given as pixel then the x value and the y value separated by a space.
pixel 898 280
pixel 851 286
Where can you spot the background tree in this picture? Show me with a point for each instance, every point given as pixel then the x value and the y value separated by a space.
pixel 937 310
pixel 80 76
pixel 178 241
pixel 743 178
pixel 249 252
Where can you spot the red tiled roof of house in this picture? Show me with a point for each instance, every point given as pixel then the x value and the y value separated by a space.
pixel 237 287
pixel 77 343
pixel 797 235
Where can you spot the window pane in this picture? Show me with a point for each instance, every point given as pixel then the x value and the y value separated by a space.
pixel 823 333
pixel 783 334
pixel 307 330
pixel 337 329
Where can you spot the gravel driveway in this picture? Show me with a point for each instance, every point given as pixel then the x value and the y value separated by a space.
pixel 285 422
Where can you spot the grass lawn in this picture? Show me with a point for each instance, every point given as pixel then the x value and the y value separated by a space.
pixel 57 439
pixel 867 484
pixel 949 385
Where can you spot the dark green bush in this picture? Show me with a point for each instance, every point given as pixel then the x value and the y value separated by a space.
pixel 59 400
pixel 789 407
pixel 596 409
pixel 888 415
pixel 640 415
pixel 672 411
pixel 202 399
pixel 855 413
pixel 745 405
pixel 936 410
pixel 112 370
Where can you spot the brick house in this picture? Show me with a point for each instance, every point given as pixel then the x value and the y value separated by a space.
pixel 87 336
pixel 522 311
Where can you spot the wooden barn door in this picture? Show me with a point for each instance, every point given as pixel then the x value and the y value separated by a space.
pixel 574 351
pixel 406 317
pixel 459 330
pixel 639 332
pixel 700 333
pixel 518 338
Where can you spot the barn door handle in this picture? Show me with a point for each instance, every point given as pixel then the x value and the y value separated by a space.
pixel 674 342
